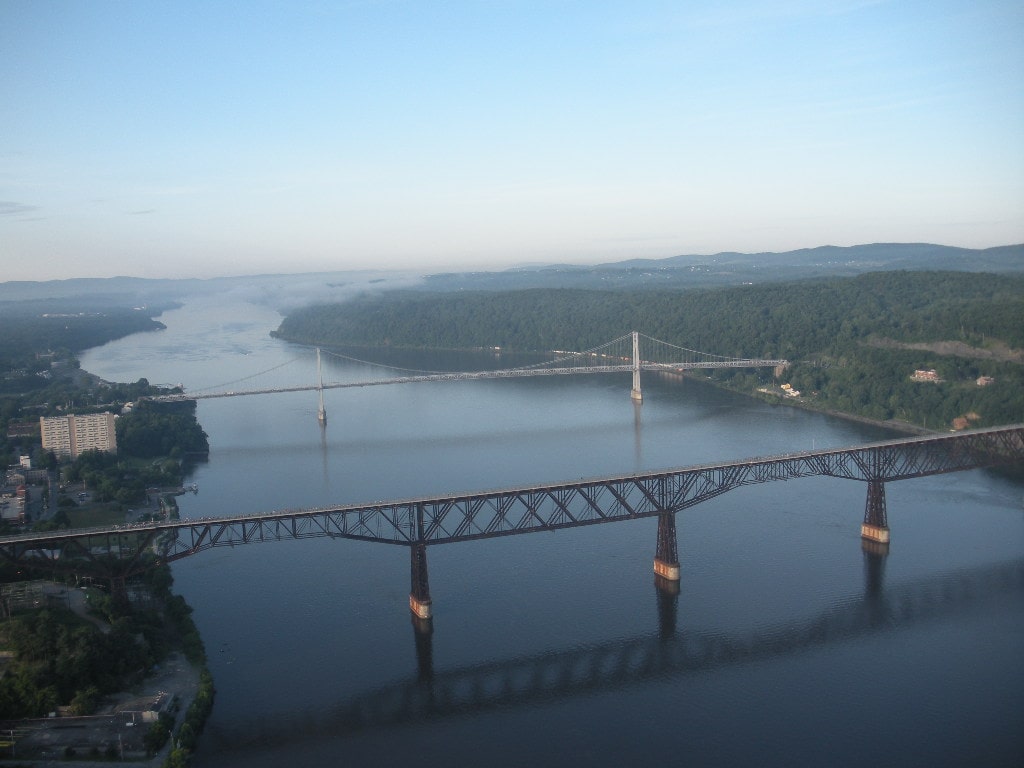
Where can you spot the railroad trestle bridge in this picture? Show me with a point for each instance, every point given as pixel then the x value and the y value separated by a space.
pixel 120 552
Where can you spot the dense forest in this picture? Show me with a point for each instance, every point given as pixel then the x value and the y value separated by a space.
pixel 28 333
pixel 849 339
pixel 63 659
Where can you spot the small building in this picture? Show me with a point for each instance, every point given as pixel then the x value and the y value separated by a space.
pixel 925 374
pixel 12 506
pixel 984 381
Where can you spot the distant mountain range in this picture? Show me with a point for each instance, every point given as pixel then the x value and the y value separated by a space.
pixel 676 272
pixel 1006 258
pixel 735 268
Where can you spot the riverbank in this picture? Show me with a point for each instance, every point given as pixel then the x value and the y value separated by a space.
pixel 803 403
pixel 901 427
pixel 120 729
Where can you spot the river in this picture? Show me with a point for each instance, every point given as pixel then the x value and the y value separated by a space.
pixel 786 645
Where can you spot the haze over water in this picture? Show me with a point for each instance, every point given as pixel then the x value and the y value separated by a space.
pixel 787 645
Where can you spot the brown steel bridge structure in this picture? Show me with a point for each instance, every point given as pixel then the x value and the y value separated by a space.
pixel 119 552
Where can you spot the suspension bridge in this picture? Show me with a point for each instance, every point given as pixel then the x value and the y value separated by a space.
pixel 631 353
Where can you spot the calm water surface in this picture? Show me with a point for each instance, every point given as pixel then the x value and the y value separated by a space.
pixel 786 645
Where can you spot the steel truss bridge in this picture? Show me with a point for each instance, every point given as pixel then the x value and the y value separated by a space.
pixel 632 353
pixel 120 552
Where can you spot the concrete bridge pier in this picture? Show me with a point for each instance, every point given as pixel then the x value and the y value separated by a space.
pixel 666 554
pixel 875 527
pixel 419 596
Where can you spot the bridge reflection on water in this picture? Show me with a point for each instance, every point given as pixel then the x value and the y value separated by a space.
pixel 669 653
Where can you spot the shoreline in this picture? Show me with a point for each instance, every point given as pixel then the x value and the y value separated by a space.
pixel 124 717
pixel 902 427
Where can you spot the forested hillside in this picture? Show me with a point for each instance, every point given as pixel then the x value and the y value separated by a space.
pixel 848 338
pixel 31 328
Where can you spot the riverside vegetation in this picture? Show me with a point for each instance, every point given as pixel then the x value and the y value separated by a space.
pixel 853 343
pixel 55 657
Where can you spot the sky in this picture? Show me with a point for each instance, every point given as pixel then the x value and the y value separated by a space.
pixel 202 139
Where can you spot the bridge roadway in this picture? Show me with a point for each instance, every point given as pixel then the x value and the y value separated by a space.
pixel 509 373
pixel 122 551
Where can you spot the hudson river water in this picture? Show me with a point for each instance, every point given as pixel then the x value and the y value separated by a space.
pixel 786 645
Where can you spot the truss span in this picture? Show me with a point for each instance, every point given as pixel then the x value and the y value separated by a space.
pixel 465 517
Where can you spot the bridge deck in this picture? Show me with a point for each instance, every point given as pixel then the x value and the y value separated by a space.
pixel 462 517
pixel 510 373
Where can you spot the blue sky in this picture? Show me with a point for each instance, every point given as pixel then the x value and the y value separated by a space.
pixel 182 139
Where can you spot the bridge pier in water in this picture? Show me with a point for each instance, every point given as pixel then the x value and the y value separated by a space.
pixel 666 554
pixel 875 527
pixel 419 595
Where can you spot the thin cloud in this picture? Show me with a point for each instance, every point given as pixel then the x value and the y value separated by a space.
pixel 11 208
pixel 142 212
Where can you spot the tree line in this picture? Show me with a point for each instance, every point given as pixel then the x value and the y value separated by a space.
pixel 846 337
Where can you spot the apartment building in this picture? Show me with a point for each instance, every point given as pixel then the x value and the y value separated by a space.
pixel 70 435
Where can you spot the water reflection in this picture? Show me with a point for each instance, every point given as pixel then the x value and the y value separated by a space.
pixel 875 553
pixel 666 592
pixel 583 671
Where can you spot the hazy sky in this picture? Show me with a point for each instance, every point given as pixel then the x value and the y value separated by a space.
pixel 212 138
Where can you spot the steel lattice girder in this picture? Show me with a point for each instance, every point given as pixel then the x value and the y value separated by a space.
pixel 523 510
pixel 475 516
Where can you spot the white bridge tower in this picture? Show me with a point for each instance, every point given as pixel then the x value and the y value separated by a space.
pixel 321 414
pixel 636 394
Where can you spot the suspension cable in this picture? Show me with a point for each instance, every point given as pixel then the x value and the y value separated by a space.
pixel 245 378
pixel 380 365
pixel 692 351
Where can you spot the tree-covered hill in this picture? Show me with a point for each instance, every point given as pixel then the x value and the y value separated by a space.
pixel 848 338
pixel 30 328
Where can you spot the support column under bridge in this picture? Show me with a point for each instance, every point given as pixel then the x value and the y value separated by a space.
pixel 419 594
pixel 875 527
pixel 666 554
pixel 419 591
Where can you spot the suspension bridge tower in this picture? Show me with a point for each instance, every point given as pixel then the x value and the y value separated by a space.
pixel 321 414
pixel 636 394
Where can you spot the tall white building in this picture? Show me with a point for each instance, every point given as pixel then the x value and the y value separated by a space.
pixel 70 435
